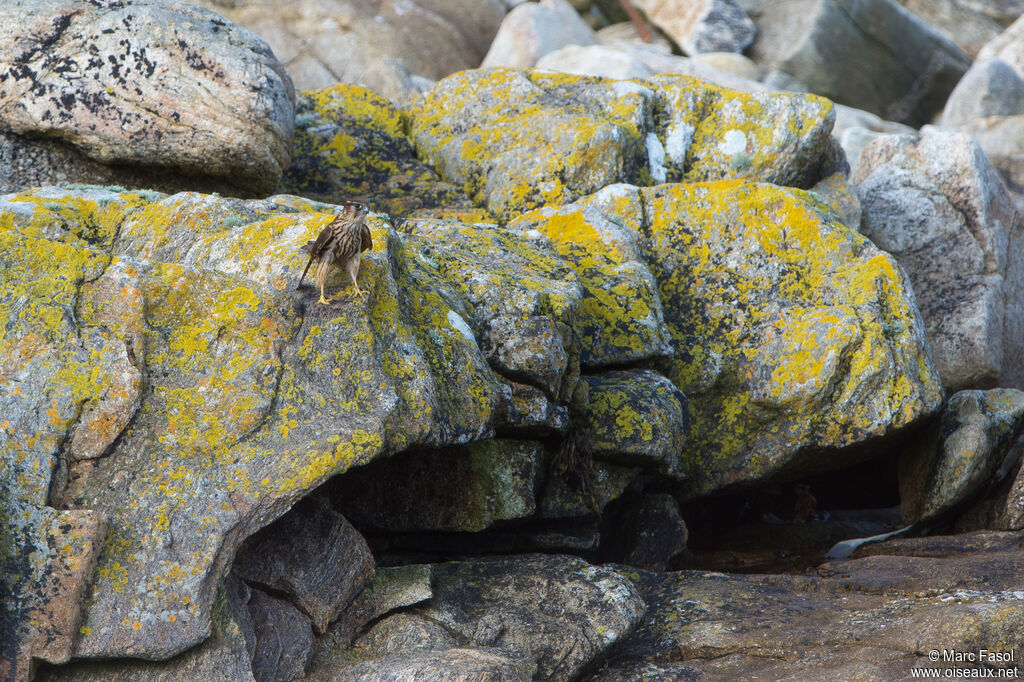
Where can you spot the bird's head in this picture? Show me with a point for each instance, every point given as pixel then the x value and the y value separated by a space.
pixel 354 210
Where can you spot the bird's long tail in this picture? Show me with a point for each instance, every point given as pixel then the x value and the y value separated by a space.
pixel 310 262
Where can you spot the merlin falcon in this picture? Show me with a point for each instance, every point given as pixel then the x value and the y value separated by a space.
pixel 343 239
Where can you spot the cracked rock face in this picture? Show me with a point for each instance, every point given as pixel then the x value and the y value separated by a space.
pixel 177 318
pixel 162 372
pixel 150 83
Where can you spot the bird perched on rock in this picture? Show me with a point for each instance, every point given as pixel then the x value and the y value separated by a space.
pixel 343 239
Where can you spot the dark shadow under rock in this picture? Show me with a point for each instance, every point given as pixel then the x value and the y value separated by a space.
pixel 645 531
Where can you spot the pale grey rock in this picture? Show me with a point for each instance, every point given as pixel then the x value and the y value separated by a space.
pixel 395 47
pixel 988 104
pixel 938 205
pixel 970 451
pixel 532 30
pixel 989 88
pixel 626 33
pixel 869 54
pixel 1007 46
pixel 855 129
pixel 966 23
pixel 730 62
pixel 702 25
pixel 147 83
pixel 594 60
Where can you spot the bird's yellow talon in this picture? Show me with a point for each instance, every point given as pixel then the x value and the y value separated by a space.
pixel 323 300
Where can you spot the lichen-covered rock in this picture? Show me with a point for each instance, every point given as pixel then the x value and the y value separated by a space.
pixel 936 203
pixel 576 489
pixel 147 83
pixel 521 303
pixel 635 418
pixel 971 450
pixel 869 54
pixel 620 320
pixel 225 655
pixel 516 140
pixel 792 335
pixel 254 395
pixel 352 142
pixel 51 374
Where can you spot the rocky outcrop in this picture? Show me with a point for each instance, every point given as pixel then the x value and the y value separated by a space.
pixel 137 85
pixel 492 607
pixel 531 30
pixel 397 49
pixel 973 450
pixel 516 140
pixel 246 406
pixel 874 617
pixel 937 204
pixel 871 55
pixel 793 384
pixel 596 301
pixel 703 26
